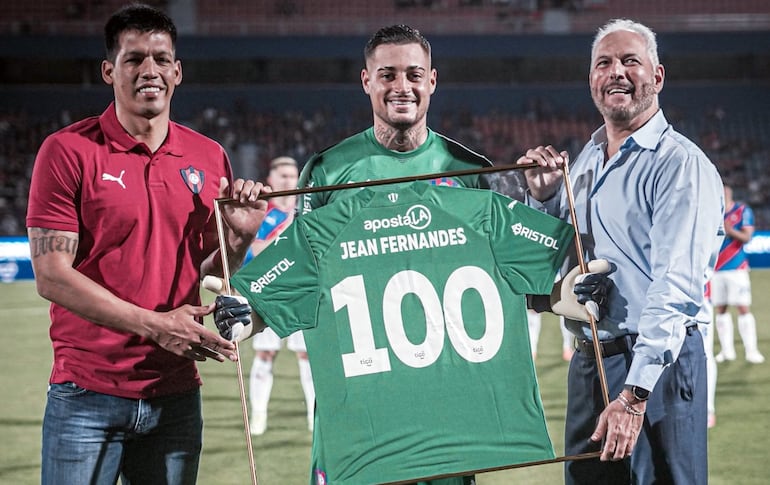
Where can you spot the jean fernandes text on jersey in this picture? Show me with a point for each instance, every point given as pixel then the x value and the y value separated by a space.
pixel 429 240
pixel 402 243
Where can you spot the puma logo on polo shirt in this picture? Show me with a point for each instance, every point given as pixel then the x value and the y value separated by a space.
pixel 112 178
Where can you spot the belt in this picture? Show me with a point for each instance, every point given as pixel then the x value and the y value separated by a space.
pixel 620 345
pixel 608 348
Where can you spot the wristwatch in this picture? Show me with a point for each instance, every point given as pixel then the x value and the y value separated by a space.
pixel 639 393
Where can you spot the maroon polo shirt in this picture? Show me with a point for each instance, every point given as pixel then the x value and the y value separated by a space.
pixel 141 218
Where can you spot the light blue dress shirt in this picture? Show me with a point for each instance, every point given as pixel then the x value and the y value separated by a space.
pixel 655 211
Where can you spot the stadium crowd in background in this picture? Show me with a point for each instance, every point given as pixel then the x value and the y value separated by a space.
pixel 256 137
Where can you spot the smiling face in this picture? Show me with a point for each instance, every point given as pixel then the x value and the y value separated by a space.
pixel 143 74
pixel 624 82
pixel 399 81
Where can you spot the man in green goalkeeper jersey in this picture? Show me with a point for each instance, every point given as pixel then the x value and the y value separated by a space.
pixel 399 79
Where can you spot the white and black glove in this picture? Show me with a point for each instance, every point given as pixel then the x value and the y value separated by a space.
pixel 576 296
pixel 232 316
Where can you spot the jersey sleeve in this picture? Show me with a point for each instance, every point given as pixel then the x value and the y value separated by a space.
pixel 529 246
pixel 748 217
pixel 312 175
pixel 281 283
pixel 54 189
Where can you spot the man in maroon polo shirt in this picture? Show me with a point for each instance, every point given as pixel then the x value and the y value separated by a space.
pixel 121 227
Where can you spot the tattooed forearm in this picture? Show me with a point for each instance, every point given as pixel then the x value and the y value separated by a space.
pixel 44 241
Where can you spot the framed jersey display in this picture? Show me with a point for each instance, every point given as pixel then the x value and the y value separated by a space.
pixel 412 303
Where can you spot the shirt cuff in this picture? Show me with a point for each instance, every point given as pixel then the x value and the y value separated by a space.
pixel 550 206
pixel 644 372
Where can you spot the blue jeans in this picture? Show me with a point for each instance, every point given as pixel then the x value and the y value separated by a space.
pixel 672 445
pixel 93 438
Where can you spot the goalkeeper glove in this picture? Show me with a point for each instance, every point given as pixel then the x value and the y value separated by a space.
pixel 232 313
pixel 232 316
pixel 577 295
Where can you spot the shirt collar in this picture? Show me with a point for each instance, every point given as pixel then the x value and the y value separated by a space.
pixel 648 136
pixel 121 140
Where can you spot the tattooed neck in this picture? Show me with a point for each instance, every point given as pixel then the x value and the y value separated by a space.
pixel 401 140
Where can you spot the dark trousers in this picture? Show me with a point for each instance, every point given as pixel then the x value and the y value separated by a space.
pixel 672 445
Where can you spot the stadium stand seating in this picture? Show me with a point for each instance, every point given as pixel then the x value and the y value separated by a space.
pixel 324 17
pixel 500 117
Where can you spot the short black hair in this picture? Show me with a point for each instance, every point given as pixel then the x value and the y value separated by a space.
pixel 137 16
pixel 396 34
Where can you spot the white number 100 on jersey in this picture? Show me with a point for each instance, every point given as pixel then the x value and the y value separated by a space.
pixel 441 315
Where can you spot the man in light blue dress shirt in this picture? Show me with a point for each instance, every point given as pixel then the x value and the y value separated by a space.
pixel 648 200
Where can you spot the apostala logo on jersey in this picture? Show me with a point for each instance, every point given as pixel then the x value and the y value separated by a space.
pixel 417 217
pixel 271 275
pixel 519 229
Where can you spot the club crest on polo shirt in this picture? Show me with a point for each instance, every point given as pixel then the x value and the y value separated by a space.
pixel 193 178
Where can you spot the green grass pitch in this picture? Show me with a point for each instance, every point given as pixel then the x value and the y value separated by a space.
pixel 738 445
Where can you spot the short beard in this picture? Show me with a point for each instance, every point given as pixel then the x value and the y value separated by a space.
pixel 625 114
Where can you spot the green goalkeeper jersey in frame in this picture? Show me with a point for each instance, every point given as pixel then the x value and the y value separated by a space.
pixel 412 301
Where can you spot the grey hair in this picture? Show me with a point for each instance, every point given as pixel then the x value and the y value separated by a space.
pixel 629 25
